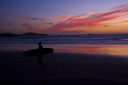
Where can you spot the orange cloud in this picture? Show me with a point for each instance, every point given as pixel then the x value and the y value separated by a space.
pixel 63 17
pixel 95 19
pixel 123 22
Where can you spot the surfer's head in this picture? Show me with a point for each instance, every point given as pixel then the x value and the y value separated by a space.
pixel 39 43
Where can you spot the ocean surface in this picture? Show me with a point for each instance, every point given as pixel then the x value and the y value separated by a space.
pixel 111 44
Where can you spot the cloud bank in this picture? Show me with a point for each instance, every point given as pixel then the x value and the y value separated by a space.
pixel 95 19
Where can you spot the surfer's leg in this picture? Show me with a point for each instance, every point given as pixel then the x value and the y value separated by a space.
pixel 39 63
pixel 39 60
pixel 52 55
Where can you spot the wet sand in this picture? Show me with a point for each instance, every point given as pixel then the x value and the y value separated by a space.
pixel 63 69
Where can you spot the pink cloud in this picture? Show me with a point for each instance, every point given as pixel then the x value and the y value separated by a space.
pixel 63 17
pixel 95 19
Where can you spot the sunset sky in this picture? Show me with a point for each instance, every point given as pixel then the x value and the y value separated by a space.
pixel 64 16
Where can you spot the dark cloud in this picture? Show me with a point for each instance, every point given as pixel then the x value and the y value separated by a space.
pixel 106 25
pixel 10 23
pixel 34 18
pixel 72 32
pixel 49 23
pixel 41 19
pixel 28 26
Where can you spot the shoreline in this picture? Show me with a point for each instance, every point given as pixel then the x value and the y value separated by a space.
pixel 64 66
pixel 115 49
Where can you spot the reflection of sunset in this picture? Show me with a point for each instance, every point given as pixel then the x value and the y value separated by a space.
pixel 110 49
pixel 114 50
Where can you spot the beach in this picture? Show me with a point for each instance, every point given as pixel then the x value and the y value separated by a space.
pixel 64 68
pixel 63 42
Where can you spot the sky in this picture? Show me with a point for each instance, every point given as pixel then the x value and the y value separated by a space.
pixel 64 17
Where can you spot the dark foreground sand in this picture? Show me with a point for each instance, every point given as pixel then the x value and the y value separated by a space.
pixel 63 69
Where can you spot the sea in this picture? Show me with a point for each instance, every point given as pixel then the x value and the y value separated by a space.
pixel 110 44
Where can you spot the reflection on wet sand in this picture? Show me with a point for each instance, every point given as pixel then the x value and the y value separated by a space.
pixel 112 49
pixel 100 50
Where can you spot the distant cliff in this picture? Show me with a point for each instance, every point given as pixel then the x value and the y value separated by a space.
pixel 32 34
pixel 7 34
pixel 24 34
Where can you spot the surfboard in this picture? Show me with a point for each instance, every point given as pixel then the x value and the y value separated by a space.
pixel 35 52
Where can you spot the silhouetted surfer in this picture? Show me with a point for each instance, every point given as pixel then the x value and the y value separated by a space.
pixel 40 53
pixel 40 46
